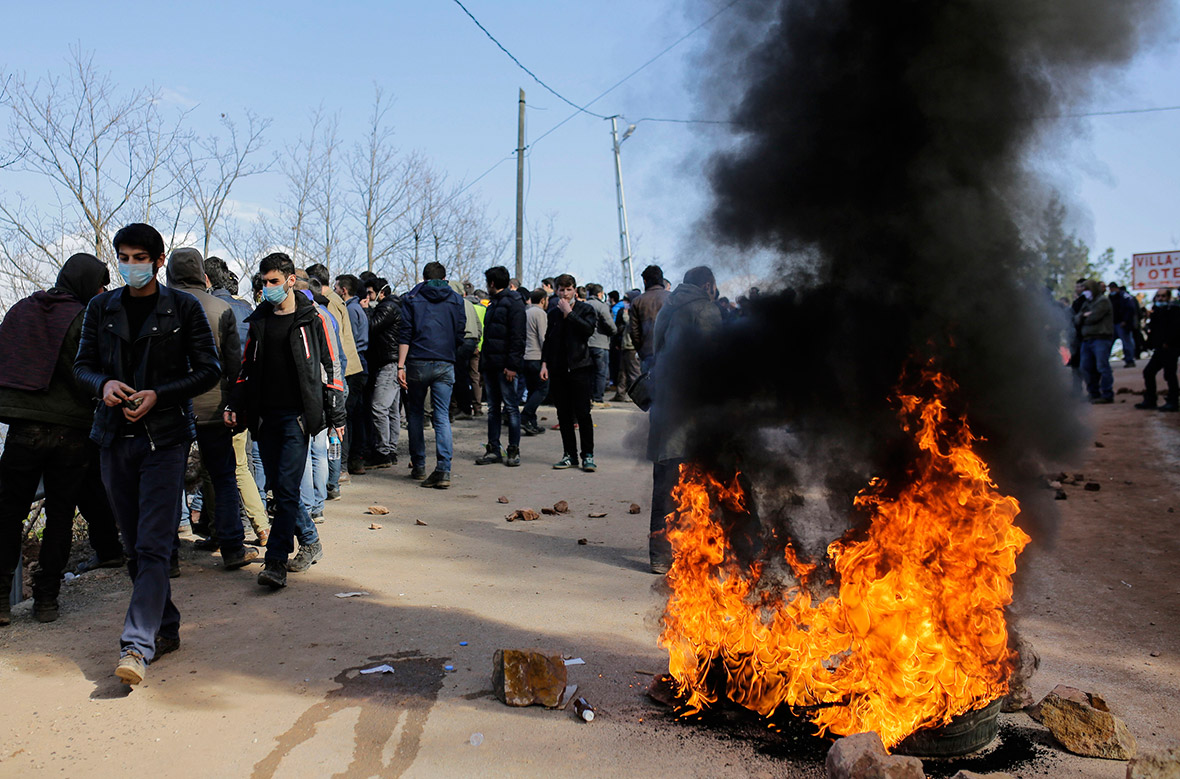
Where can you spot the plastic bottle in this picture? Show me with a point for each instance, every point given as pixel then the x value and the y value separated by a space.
pixel 333 446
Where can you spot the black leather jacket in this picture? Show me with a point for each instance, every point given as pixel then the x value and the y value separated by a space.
pixel 567 341
pixel 384 323
pixel 174 355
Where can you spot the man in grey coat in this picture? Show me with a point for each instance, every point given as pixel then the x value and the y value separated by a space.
pixel 604 330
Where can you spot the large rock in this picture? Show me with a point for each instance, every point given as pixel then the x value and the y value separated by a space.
pixel 522 677
pixel 1084 724
pixel 1027 663
pixel 1163 764
pixel 863 756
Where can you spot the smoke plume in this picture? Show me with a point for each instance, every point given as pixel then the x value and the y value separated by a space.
pixel 887 152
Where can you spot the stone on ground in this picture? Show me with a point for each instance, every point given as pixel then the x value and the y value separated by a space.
pixel 863 756
pixel 1084 724
pixel 523 677
pixel 1160 764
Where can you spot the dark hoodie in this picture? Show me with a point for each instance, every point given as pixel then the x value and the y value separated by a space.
pixel 433 322
pixel 38 342
pixel 186 272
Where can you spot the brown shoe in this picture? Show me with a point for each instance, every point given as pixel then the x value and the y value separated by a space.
pixel 131 668
pixel 263 537
pixel 232 563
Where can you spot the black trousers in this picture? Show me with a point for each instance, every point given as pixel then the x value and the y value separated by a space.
pixel 463 396
pixel 1165 360
pixel 95 508
pixel 664 477
pixel 61 455
pixel 355 440
pixel 569 391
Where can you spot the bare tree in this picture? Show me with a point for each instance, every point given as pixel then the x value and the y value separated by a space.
pixel 328 201
pixel 207 169
pixel 544 249
pixel 384 185
pixel 299 165
pixel 86 138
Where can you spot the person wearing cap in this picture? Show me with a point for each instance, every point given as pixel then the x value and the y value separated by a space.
pixel 628 358
pixel 48 416
pixel 644 310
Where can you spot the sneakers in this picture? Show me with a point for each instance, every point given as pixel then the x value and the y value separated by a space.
pixel 274 575
pixel 333 494
pixel 94 563
pixel 489 456
pixel 131 668
pixel 309 555
pixel 565 462
pixel 417 472
pixel 1146 406
pixel 317 519
pixel 262 538
pixel 164 645
pixel 660 567
pixel 513 458
pixel 45 609
pixel 209 544
pixel 440 480
pixel 356 467
pixel 233 562
pixel 378 461
pixel 588 464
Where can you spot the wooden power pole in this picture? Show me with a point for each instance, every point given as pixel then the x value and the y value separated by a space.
pixel 520 191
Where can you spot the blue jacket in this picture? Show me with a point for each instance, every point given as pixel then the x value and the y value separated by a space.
pixel 360 324
pixel 241 309
pixel 433 322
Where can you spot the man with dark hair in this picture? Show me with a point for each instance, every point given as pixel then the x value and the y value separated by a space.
pixel 1126 316
pixel 48 417
pixel 1163 338
pixel 604 330
pixel 147 351
pixel 569 369
pixel 644 310
pixel 432 327
pixel 186 273
pixel 628 370
pixel 1095 322
pixel 689 315
pixel 547 284
pixel 356 440
pixel 536 324
pixel 289 389
pixel 385 321
pixel 501 360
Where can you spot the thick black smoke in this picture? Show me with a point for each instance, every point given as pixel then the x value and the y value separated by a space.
pixel 887 152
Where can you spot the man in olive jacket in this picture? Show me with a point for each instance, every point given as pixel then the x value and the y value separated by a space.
pixel 1095 323
pixel 689 314
pixel 48 417
pixel 147 351
pixel 186 272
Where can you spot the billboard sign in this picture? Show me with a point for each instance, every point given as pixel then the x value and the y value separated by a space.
pixel 1155 270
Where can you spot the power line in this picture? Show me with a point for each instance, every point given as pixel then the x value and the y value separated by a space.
pixel 520 65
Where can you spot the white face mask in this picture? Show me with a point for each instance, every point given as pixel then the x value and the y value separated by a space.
pixel 1087 294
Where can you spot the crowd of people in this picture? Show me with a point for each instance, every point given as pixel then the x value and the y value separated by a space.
pixel 140 405
pixel 1101 314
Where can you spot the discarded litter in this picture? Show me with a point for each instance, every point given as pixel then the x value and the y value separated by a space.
pixel 374 526
pixel 351 594
pixel 575 661
pixel 462 643
pixel 384 668
pixel 69 577
pixel 379 510
pixel 567 695
pixel 448 667
pixel 584 710
pixel 476 739
pixel 1128 586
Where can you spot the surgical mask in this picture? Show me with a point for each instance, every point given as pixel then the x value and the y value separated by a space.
pixel 275 295
pixel 1087 294
pixel 137 275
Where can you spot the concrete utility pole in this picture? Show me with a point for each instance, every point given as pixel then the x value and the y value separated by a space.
pixel 520 191
pixel 624 236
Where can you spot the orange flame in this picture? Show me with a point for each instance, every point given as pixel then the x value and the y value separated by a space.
pixel 917 634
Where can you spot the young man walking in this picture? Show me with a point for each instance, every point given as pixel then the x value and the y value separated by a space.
pixel 502 359
pixel 289 389
pixel 48 418
pixel 604 330
pixel 147 351
pixel 186 273
pixel 535 326
pixel 431 332
pixel 569 369
pixel 384 325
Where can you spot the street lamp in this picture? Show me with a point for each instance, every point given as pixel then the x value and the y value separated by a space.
pixel 624 236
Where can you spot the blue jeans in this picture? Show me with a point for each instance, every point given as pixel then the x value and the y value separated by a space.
pixel 144 487
pixel 1124 334
pixel 1096 367
pixel 283 446
pixel 601 359
pixel 503 401
pixel 438 378
pixel 313 488
pixel 216 443
pixel 538 391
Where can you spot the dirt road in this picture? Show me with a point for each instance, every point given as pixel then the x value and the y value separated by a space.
pixel 269 684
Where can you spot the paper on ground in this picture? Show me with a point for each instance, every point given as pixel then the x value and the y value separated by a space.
pixel 380 669
pixel 351 594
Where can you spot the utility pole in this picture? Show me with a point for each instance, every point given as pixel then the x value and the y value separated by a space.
pixel 520 191
pixel 624 236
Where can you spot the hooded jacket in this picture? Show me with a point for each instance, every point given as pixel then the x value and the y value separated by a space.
pixel 317 368
pixel 47 391
pixel 1095 319
pixel 503 333
pixel 688 315
pixel 473 325
pixel 173 355
pixel 433 322
pixel 186 272
pixel 385 321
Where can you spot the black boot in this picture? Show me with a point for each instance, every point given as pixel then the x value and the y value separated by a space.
pixel 5 589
